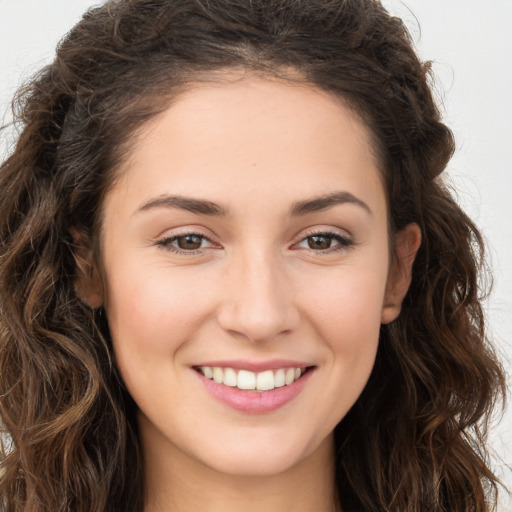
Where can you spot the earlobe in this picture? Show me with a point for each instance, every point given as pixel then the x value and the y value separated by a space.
pixel 88 282
pixel 407 243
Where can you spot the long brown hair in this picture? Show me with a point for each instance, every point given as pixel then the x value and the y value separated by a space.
pixel 415 439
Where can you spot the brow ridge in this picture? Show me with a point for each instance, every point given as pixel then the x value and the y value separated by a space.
pixel 299 208
pixel 324 202
pixel 199 206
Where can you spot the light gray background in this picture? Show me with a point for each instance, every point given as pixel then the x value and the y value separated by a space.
pixel 470 42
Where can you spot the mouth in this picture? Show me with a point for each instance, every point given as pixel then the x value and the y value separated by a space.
pixel 258 382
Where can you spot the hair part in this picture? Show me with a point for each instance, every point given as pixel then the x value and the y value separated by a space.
pixel 415 439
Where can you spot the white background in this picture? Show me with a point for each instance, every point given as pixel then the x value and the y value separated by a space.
pixel 470 42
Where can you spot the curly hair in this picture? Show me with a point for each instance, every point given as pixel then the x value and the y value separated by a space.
pixel 415 438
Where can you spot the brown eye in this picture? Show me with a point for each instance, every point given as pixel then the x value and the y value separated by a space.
pixel 189 242
pixel 325 242
pixel 319 242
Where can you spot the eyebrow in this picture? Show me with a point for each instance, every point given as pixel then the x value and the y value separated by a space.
pixel 299 208
pixel 199 206
pixel 324 202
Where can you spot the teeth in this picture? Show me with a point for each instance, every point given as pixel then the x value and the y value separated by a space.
pixel 244 379
pixel 265 380
pixel 279 379
pixel 218 375
pixel 290 376
pixel 229 377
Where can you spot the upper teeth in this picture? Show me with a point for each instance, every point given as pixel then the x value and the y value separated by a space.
pixel 244 379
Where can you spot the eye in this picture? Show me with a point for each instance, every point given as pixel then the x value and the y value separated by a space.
pixel 185 243
pixel 325 242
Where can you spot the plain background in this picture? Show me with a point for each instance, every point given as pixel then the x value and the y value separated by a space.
pixel 470 44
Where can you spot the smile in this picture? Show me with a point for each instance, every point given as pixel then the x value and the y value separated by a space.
pixel 254 392
pixel 252 381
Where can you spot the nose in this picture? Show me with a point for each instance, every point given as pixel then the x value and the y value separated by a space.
pixel 257 301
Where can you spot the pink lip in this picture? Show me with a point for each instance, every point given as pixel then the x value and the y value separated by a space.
pixel 253 401
pixel 253 366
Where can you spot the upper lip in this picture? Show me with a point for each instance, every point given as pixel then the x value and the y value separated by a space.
pixel 256 366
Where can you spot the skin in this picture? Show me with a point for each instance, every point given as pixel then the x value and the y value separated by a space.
pixel 257 291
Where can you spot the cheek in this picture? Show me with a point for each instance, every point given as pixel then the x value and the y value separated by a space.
pixel 344 309
pixel 151 316
pixel 347 307
pixel 153 301
pixel 346 313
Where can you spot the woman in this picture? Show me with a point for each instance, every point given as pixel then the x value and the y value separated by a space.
pixel 231 275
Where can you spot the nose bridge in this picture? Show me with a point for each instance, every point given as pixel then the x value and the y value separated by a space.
pixel 258 302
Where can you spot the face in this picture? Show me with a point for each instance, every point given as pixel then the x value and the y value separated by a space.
pixel 246 245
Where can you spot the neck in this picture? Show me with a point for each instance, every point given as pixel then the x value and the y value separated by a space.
pixel 179 483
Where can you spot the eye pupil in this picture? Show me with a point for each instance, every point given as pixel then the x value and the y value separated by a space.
pixel 190 242
pixel 319 242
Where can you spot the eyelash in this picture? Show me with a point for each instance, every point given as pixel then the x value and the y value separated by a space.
pixel 166 243
pixel 344 242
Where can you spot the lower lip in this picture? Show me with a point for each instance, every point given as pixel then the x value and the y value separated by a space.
pixel 253 401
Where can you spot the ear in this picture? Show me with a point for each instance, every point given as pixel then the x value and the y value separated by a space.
pixel 88 283
pixel 407 243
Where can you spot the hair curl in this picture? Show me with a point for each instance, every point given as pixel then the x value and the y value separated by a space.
pixel 415 439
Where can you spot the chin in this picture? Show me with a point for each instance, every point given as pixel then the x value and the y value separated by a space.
pixel 263 457
pixel 255 464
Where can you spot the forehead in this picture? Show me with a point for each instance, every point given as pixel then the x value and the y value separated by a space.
pixel 250 137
